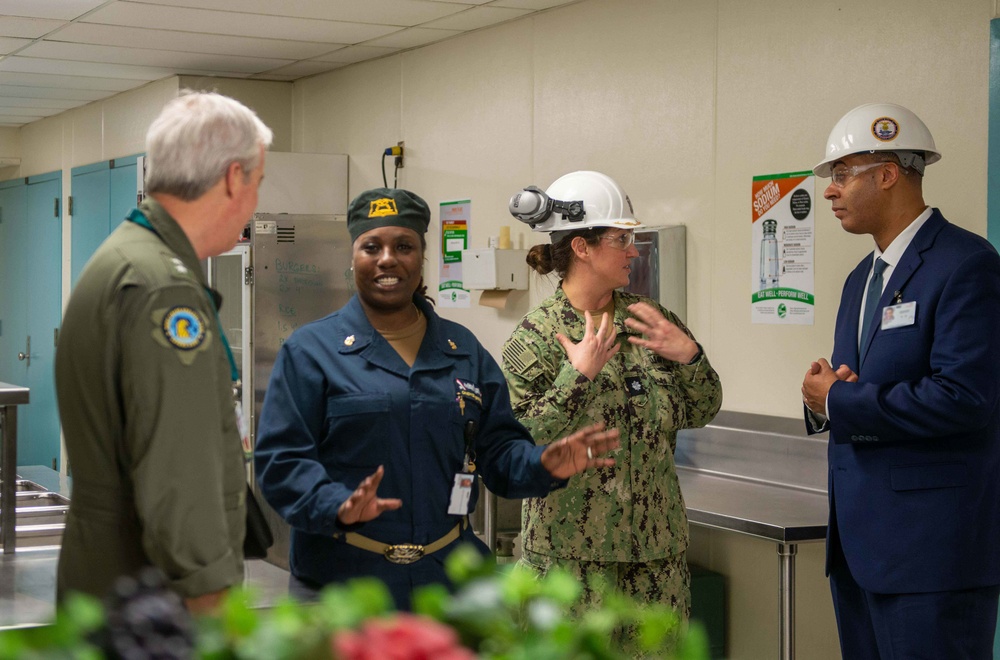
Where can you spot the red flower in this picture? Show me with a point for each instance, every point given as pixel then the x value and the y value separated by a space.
pixel 403 637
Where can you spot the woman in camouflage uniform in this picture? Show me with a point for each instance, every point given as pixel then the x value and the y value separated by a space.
pixel 593 353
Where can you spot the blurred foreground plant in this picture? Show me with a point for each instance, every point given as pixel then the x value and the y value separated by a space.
pixel 505 614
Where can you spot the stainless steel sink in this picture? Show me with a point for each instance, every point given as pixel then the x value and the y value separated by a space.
pixel 40 517
pixel 22 485
pixel 32 499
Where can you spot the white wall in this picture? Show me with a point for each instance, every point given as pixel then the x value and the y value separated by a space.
pixel 682 103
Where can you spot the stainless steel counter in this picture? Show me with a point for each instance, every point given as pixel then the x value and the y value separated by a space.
pixel 769 511
pixel 11 396
pixel 764 477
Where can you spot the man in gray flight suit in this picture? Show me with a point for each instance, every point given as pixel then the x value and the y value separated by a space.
pixel 144 375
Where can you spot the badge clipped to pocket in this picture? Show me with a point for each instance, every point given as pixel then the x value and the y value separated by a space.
pixel 897 316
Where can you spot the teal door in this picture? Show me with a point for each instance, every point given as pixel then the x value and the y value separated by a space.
pixel 103 194
pixel 38 437
pixel 124 190
pixel 90 211
pixel 31 258
pixel 13 313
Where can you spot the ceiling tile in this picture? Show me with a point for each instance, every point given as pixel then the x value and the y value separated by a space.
pixel 29 28
pixel 87 53
pixel 478 17
pixel 64 9
pixel 307 68
pixel 59 81
pixel 192 42
pixel 18 64
pixel 7 100
pixel 273 77
pixel 63 53
pixel 412 37
pixel 353 54
pixel 70 95
pixel 534 5
pixel 10 44
pixel 234 23
pixel 401 13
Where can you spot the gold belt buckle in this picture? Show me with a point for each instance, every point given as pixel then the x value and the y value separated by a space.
pixel 404 553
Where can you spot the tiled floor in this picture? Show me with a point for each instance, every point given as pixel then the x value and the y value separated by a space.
pixel 27 588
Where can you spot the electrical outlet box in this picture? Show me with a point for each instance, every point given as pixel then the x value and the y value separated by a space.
pixel 490 268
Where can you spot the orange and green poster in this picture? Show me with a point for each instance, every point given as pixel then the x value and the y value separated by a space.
pixel 455 218
pixel 782 240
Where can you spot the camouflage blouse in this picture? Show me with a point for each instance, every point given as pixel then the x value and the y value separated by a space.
pixel 634 511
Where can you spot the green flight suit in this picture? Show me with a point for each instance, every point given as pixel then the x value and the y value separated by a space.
pixel 633 511
pixel 145 396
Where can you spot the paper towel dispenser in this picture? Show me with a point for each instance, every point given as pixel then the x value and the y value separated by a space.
pixel 491 268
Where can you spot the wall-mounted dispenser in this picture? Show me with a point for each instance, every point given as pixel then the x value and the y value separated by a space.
pixel 490 268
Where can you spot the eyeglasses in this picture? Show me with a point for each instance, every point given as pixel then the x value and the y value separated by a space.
pixel 621 241
pixel 841 174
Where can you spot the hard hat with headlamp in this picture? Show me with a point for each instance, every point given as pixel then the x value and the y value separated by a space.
pixel 876 127
pixel 578 200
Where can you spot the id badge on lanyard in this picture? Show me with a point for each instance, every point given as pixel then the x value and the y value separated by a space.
pixel 461 489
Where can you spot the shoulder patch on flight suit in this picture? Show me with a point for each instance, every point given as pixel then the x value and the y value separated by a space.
pixel 519 359
pixel 182 328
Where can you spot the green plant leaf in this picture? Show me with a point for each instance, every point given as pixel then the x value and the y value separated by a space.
pixel 561 586
pixel 466 563
pixel 431 601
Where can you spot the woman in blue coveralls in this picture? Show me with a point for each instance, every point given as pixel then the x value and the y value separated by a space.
pixel 377 415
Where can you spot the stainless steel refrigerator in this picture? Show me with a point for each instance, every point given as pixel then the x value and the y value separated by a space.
pixel 286 271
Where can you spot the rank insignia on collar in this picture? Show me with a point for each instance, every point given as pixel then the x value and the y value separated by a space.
pixel 452 344
pixel 349 340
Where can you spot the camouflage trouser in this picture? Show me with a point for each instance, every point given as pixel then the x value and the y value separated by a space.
pixel 666 581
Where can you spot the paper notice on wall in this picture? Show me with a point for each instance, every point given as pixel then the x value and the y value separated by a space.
pixel 782 243
pixel 455 217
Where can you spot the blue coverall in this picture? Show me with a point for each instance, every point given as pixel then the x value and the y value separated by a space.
pixel 341 402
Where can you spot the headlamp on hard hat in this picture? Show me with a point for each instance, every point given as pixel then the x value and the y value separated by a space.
pixel 534 207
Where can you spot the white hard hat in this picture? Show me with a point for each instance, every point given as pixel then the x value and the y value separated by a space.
pixel 578 200
pixel 880 127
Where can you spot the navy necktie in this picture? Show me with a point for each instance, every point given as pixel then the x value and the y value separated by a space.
pixel 871 304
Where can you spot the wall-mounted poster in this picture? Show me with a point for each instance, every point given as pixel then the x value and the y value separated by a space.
pixel 455 218
pixel 782 244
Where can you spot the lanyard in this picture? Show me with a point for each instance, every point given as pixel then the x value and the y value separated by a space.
pixel 140 219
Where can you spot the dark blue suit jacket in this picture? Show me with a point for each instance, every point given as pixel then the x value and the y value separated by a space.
pixel 914 453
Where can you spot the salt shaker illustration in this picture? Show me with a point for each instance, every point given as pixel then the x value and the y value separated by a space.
pixel 769 256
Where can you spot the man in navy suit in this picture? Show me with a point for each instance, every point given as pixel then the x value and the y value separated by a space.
pixel 913 547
